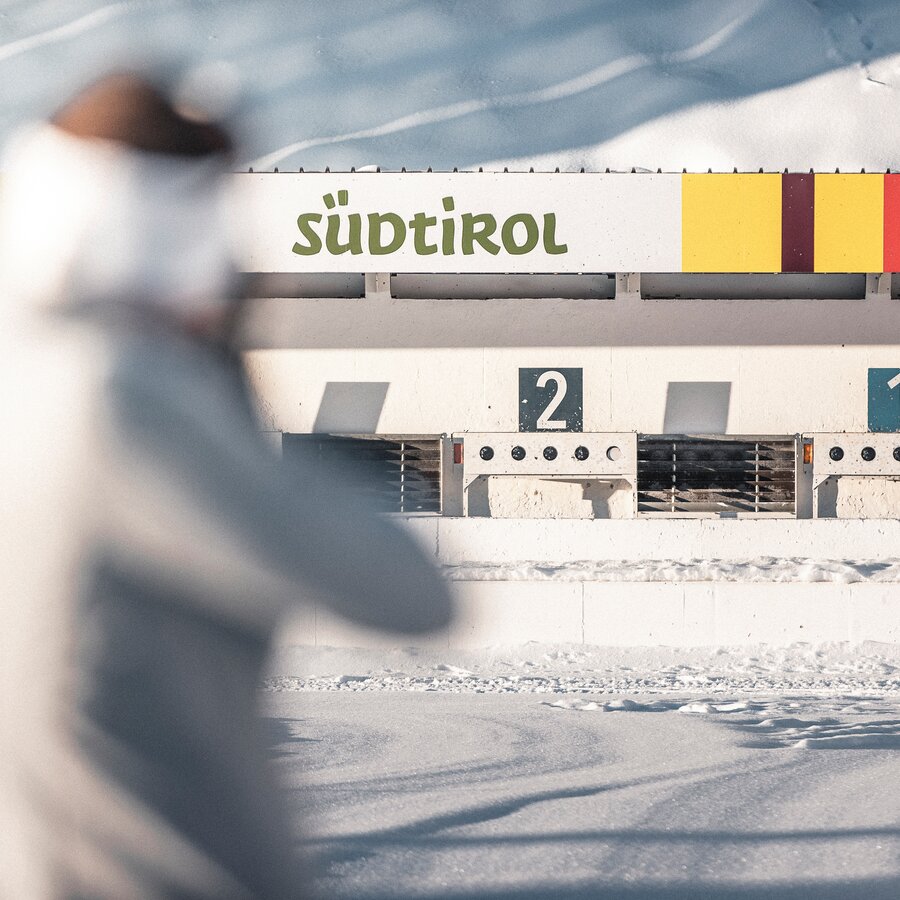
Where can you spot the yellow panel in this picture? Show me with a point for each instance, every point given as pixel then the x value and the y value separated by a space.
pixel 849 220
pixel 731 223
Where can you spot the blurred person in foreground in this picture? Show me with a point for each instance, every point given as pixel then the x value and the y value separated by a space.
pixel 150 540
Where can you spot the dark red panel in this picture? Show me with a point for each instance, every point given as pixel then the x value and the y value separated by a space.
pixel 798 199
pixel 891 223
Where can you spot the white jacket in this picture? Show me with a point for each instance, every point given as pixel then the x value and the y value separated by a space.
pixel 150 542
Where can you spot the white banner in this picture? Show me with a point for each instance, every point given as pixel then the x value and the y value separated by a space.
pixel 460 222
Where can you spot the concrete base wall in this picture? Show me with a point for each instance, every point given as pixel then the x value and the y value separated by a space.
pixel 678 614
pixel 630 614
pixel 455 541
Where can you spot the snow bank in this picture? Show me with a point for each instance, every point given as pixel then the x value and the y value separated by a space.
pixel 772 130
pixel 670 83
pixel 869 668
pixel 762 569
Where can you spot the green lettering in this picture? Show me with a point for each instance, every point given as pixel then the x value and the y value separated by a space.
pixel 419 224
pixel 376 248
pixel 508 234
pixel 471 233
pixel 448 228
pixel 550 245
pixel 354 239
pixel 314 245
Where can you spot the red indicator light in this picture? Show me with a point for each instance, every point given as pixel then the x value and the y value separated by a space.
pixel 807 454
pixel 457 452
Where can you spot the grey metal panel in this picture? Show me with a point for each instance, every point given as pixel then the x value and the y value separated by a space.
pixel 754 286
pixel 346 324
pixel 487 286
pixel 292 284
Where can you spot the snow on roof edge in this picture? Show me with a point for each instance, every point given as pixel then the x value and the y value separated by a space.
pixel 639 170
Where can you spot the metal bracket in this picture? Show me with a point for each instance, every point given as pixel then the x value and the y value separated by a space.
pixel 378 285
pixel 628 286
pixel 878 286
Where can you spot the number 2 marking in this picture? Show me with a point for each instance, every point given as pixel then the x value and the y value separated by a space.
pixel 544 420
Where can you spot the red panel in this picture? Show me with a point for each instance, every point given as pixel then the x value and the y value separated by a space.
pixel 892 223
pixel 798 196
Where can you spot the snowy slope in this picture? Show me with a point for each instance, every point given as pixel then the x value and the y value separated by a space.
pixel 620 83
pixel 586 772
pixel 844 119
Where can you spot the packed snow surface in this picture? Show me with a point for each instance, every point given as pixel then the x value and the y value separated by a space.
pixel 656 83
pixel 564 772
pixel 829 669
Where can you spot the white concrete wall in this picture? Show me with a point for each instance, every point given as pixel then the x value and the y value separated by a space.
pixel 452 366
pixel 774 390
pixel 634 614
pixel 793 365
pixel 678 614
pixel 861 498
pixel 542 498
pixel 510 541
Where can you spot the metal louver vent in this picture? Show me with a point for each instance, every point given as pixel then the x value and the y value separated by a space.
pixel 709 475
pixel 399 473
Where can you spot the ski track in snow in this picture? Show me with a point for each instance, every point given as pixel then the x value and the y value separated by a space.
pixel 599 683
pixel 842 724
pixel 833 696
pixel 837 670
pixel 494 797
pixel 587 81
pixel 73 29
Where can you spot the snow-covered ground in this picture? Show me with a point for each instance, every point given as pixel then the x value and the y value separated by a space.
pixel 622 83
pixel 836 669
pixel 654 777
pixel 587 772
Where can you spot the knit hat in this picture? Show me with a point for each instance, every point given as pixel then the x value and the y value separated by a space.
pixel 118 198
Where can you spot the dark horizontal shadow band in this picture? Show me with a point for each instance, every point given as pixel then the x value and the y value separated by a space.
pixel 324 324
